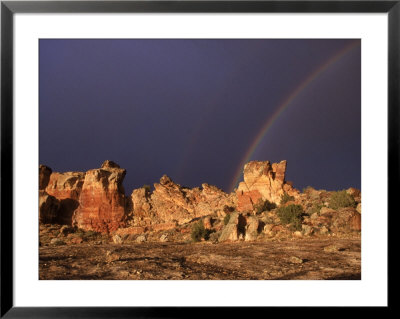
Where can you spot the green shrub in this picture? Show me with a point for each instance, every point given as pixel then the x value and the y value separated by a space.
pixel 90 235
pixel 147 188
pixel 286 198
pixel 227 218
pixel 262 206
pixel 214 236
pixel 316 208
pixel 198 231
pixel 341 199
pixel 291 214
pixel 307 189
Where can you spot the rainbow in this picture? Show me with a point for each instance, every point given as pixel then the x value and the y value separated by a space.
pixel 282 107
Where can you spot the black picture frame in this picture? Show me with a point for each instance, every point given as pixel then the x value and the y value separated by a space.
pixel 9 8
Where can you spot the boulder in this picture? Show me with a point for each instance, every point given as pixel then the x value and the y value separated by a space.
pixel 49 207
pixel 207 221
pixel 117 239
pixel 141 239
pixel 234 229
pixel 252 227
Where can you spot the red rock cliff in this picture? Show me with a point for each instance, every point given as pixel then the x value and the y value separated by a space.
pixel 102 199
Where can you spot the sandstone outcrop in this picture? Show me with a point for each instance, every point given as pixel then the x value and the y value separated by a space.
pixel 235 228
pixel 102 199
pixel 48 208
pixel 172 204
pixel 65 185
pixel 44 176
pixel 252 228
pixel 95 200
pixel 263 181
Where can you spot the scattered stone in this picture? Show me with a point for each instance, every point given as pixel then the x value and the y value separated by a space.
pixel 57 242
pixel 111 256
pixel 298 234
pixel 141 239
pixel 296 260
pixel 268 229
pixel 324 230
pixel 164 238
pixel 76 240
pixel 65 230
pixel 117 239
pixel 331 248
pixel 307 230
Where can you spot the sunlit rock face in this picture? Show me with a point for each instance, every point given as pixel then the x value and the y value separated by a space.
pixel 102 199
pixel 65 185
pixel 170 203
pixel 263 181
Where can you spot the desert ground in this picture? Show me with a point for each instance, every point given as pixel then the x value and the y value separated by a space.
pixel 298 259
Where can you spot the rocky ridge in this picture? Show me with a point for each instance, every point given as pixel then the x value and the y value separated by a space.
pixel 94 202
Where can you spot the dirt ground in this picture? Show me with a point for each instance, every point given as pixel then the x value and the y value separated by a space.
pixel 330 258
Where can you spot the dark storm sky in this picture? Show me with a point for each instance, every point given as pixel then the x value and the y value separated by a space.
pixel 191 108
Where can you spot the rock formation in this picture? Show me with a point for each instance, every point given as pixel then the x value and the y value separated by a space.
pixel 263 181
pixel 44 176
pixel 95 200
pixel 170 204
pixel 102 199
pixel 48 208
pixel 65 185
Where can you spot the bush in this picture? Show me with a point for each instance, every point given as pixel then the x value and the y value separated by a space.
pixel 147 188
pixel 341 199
pixel 291 214
pixel 262 206
pixel 198 231
pixel 88 235
pixel 316 208
pixel 214 236
pixel 308 189
pixel 286 198
pixel 227 218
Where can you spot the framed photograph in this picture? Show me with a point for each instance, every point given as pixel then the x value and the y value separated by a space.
pixel 196 154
